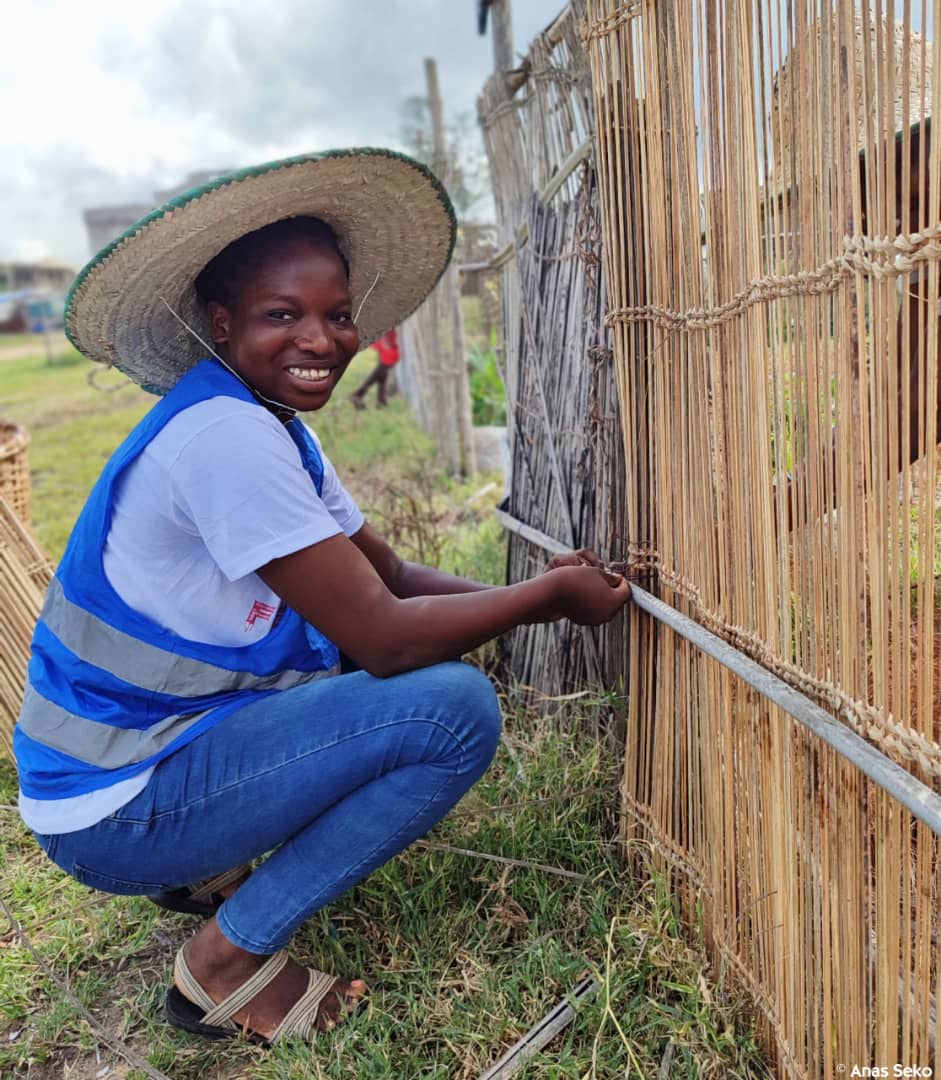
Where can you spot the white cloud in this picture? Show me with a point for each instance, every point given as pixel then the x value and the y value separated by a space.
pixel 106 101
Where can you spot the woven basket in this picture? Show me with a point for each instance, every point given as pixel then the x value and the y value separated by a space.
pixel 789 87
pixel 14 468
pixel 24 574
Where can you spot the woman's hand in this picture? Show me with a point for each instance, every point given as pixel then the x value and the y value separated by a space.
pixel 582 557
pixel 587 595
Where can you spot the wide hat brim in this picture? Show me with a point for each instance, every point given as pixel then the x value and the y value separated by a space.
pixel 393 219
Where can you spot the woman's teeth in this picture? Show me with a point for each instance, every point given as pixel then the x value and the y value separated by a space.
pixel 311 374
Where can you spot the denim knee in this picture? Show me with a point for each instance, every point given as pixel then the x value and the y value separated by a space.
pixel 473 702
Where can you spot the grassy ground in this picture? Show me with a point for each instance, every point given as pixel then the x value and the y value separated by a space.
pixel 462 955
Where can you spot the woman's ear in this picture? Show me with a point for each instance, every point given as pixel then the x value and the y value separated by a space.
pixel 218 322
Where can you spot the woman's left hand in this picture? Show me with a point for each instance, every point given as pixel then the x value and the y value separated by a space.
pixel 582 557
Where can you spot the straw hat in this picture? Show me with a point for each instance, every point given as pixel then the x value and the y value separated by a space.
pixel 392 217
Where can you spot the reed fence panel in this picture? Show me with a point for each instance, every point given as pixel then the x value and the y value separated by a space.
pixel 770 202
pixel 567 477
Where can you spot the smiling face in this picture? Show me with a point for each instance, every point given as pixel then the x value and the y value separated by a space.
pixel 289 331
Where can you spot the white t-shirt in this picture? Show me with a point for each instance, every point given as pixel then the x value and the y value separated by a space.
pixel 216 495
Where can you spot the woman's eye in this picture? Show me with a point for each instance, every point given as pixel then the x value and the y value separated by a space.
pixel 279 315
pixel 344 318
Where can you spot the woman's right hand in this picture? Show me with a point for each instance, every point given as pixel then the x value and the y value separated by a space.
pixel 587 595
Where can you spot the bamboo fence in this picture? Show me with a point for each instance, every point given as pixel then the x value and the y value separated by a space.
pixel 564 423
pixel 770 202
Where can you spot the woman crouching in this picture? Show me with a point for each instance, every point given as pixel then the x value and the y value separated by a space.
pixel 185 713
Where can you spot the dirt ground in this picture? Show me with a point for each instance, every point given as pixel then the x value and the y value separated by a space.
pixel 58 343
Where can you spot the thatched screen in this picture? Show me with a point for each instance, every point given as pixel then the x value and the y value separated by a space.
pixel 564 424
pixel 770 197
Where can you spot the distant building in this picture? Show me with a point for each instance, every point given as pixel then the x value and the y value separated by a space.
pixel 46 275
pixel 32 295
pixel 104 223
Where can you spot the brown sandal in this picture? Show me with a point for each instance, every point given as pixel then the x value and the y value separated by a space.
pixel 195 1010
pixel 204 898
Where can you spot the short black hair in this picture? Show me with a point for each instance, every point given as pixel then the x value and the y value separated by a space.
pixel 223 277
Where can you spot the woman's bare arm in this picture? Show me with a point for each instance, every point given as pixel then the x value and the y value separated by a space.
pixel 335 587
pixel 403 578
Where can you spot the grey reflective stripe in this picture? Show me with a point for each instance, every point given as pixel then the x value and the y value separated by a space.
pixel 149 666
pixel 96 743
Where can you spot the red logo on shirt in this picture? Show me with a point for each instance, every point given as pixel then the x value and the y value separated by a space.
pixel 259 611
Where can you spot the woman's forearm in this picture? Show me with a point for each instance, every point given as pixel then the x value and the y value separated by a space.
pixel 415 579
pixel 335 588
pixel 430 628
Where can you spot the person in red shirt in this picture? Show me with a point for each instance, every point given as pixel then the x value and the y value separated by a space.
pixel 388 349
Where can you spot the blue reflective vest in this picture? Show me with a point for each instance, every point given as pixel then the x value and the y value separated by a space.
pixel 110 693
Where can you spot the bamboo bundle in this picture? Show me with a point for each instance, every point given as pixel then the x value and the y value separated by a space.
pixel 14 468
pixel 24 575
pixel 564 426
pixel 776 348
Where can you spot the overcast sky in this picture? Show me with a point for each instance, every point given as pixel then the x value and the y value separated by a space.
pixel 104 101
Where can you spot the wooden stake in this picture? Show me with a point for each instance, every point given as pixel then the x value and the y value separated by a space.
pixel 452 392
pixel 439 146
pixel 501 29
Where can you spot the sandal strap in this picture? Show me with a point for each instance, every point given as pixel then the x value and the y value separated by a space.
pixel 205 889
pixel 242 995
pixel 187 983
pixel 302 1016
pixel 221 1015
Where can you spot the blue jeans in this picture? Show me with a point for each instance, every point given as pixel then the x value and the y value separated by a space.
pixel 333 778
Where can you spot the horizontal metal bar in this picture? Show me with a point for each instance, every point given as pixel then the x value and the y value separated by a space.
pixel 534 536
pixel 541 1035
pixel 898 782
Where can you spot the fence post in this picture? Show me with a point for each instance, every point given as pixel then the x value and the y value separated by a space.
pixel 501 16
pixel 453 388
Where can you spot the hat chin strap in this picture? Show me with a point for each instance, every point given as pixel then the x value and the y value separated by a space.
pixel 362 302
pixel 283 412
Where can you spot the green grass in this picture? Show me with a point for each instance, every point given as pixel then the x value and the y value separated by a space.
pixel 18 341
pixel 462 955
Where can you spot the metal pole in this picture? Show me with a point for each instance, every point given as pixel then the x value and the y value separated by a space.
pixel 541 1035
pixel 892 778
